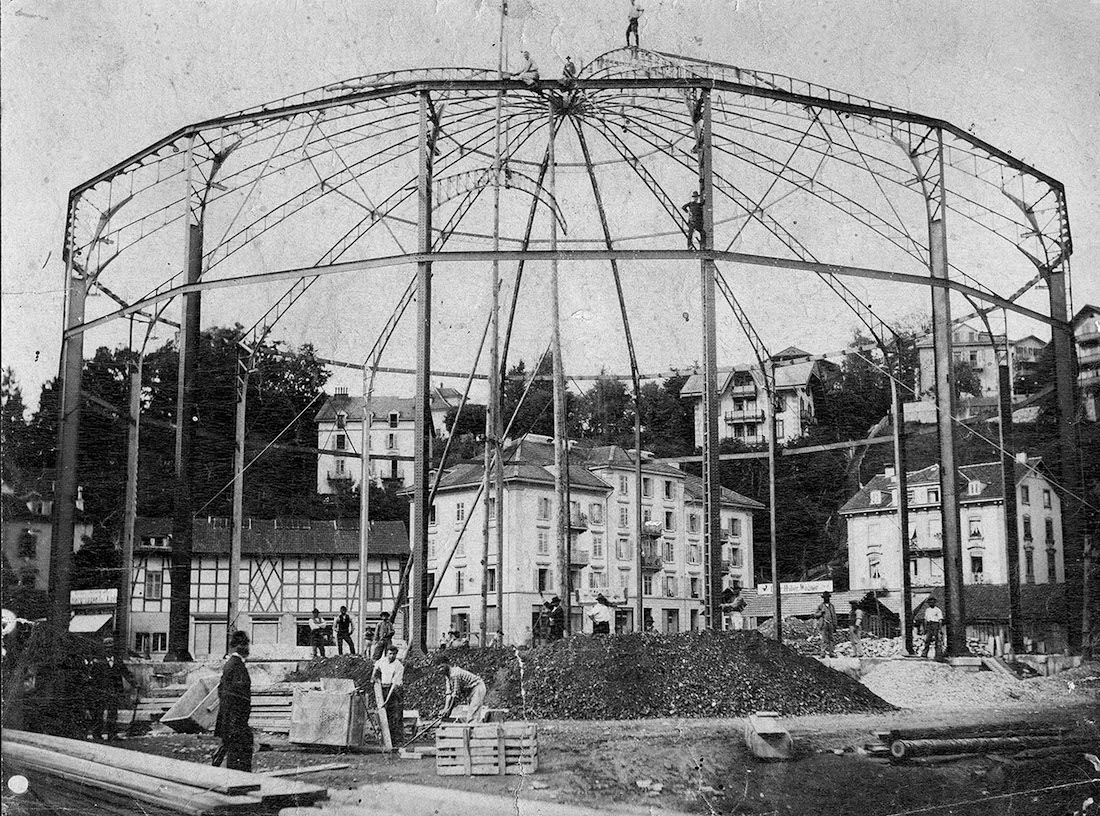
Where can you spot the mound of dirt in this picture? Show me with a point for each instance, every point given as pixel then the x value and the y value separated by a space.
pixel 703 674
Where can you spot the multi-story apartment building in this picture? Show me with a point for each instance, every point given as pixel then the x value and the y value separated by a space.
pixel 874 547
pixel 1086 331
pixel 340 429
pixel 742 403
pixel 603 537
pixel 288 567
pixel 28 532
pixel 974 348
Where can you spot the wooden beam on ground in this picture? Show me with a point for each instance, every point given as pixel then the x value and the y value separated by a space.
pixel 305 769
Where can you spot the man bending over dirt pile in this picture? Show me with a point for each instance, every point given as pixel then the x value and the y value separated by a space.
pixel 465 684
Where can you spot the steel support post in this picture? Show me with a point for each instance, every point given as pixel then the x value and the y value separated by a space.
pixel 954 611
pixel 773 535
pixel 1008 490
pixel 418 606
pixel 713 489
pixel 900 465
pixel 561 459
pixel 179 615
pixel 1065 386
pixel 244 365
pixel 68 432
pixel 129 511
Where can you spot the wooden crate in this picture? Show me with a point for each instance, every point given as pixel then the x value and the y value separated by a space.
pixel 327 718
pixel 486 749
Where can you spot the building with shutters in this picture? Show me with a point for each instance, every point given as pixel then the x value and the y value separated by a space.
pixel 799 384
pixel 27 531
pixel 288 567
pixel 602 528
pixel 1086 332
pixel 340 431
pixel 874 546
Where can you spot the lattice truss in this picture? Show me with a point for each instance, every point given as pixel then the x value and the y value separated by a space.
pixel 801 172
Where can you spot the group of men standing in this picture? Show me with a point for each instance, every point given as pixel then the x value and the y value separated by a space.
pixel 378 640
pixel 826 616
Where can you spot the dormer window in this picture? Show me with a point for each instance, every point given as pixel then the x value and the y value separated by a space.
pixel 341 420
pixel 876 497
pixel 394 416
pixel 974 488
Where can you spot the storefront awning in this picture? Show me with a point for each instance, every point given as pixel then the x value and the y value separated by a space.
pixel 89 623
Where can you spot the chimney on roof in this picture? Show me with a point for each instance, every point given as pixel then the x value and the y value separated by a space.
pixel 341 391
pixel 1022 457
pixel 889 473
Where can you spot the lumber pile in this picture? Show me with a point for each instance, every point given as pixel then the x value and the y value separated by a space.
pixel 905 745
pixel 154 705
pixel 486 749
pixel 88 776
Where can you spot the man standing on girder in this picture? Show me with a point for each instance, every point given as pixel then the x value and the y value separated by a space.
pixel 632 22
pixel 694 209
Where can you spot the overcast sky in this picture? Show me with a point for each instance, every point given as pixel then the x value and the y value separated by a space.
pixel 88 83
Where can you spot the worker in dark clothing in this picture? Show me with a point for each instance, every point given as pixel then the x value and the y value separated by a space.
pixel 383 637
pixel 694 209
pixel 234 708
pixel 114 677
pixel 343 631
pixel 568 74
pixel 632 22
pixel 556 615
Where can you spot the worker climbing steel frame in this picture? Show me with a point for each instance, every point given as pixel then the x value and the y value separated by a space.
pixel 631 102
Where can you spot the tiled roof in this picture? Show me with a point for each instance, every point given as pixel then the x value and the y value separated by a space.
pixel 693 491
pixel 271 537
pixel 795 375
pixel 380 406
pixel 988 473
pixel 615 457
pixel 799 605
pixel 989 602
pixel 470 474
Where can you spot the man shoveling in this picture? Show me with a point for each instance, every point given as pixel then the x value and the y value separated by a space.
pixel 464 684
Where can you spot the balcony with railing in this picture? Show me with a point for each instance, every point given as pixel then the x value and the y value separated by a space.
pixel 578 520
pixel 336 477
pixel 755 415
pixel 578 558
pixel 652 560
pixel 743 390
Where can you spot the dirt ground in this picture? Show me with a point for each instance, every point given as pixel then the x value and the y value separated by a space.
pixel 702 765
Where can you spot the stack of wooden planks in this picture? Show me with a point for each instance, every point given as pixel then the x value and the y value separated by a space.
pixel 486 749
pixel 152 706
pixel 88 776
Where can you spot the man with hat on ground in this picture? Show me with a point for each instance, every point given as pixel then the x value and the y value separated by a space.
pixel 933 622
pixel 391 673
pixel 383 636
pixel 556 616
pixel 826 613
pixel 601 615
pixel 234 708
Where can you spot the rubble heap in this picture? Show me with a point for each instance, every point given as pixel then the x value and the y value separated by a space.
pixel 698 674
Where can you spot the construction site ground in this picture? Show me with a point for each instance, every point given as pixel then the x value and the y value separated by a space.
pixel 703 766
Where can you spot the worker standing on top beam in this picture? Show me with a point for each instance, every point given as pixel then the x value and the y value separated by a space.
pixel 632 22
pixel 694 209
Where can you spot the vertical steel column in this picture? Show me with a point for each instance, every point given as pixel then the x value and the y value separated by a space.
pixel 1008 490
pixel 493 421
pixel 179 615
pixel 906 608
pixel 68 432
pixel 418 603
pixel 561 461
pixel 129 512
pixel 954 605
pixel 712 502
pixel 1065 386
pixel 773 536
pixel 244 366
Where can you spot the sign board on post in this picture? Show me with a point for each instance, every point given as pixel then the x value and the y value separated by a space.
pixel 93 597
pixel 797 588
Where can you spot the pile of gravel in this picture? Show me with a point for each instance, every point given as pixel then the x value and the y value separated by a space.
pixel 621 677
